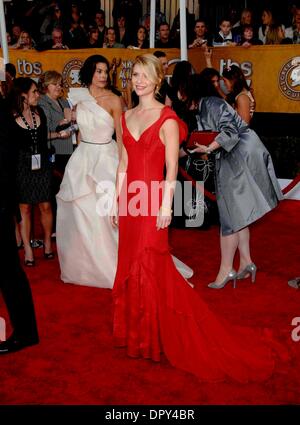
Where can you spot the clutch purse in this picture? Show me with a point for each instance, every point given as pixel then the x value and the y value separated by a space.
pixel 201 137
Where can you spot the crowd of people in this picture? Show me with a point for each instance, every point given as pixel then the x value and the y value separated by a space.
pixel 108 238
pixel 64 25
pixel 150 288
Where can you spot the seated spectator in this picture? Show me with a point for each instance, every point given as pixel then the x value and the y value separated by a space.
pixel 248 38
pixel 53 19
pixel 15 32
pixel 99 22
pixel 175 29
pixel 141 41
pixel 159 19
pixel 8 39
pixel 110 39
pixel 268 20
pixel 56 42
pixel 224 36
pixel 124 34
pixel 275 34
pixel 131 10
pixel 164 41
pixel 293 32
pixel 25 42
pixel 76 34
pixel 202 36
pixel 93 38
pixel 11 70
pixel 238 28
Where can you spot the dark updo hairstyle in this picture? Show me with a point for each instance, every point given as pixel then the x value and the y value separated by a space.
pixel 236 76
pixel 88 69
pixel 21 85
pixel 199 86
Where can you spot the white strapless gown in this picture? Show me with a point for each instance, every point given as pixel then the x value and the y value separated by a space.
pixel 87 244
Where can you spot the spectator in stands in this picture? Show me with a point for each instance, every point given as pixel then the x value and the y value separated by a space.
pixel 54 19
pixel 164 41
pixel 93 38
pixel 16 30
pixel 293 32
pixel 202 36
pixel 131 10
pixel 8 39
pixel 110 39
pixel 276 35
pixel 239 95
pixel 100 24
pixel 11 70
pixel 76 35
pixel 224 36
pixel 25 42
pixel 56 42
pixel 268 19
pixel 142 40
pixel 159 19
pixel 124 34
pixel 237 29
pixel 175 29
pixel 248 38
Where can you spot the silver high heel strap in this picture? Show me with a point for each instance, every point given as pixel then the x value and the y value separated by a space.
pixel 92 143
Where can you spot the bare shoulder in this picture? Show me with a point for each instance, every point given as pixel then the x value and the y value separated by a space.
pixel 115 99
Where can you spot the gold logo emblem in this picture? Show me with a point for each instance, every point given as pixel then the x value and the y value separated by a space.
pixel 70 73
pixel 289 79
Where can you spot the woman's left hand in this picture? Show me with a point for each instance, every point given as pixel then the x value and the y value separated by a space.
pixel 199 149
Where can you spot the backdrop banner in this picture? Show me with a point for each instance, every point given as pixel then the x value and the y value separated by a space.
pixel 273 71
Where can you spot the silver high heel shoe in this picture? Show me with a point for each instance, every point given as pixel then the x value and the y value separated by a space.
pixel 251 270
pixel 231 276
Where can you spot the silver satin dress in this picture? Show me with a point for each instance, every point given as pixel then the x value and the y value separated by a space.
pixel 246 184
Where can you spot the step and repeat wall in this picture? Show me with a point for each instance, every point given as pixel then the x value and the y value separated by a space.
pixel 272 71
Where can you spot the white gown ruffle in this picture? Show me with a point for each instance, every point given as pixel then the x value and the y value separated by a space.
pixel 87 244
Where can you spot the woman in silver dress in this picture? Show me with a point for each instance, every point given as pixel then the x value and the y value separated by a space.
pixel 246 184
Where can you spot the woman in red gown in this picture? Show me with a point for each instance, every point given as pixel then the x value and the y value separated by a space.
pixel 155 310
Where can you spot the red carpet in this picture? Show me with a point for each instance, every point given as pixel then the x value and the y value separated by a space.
pixel 75 362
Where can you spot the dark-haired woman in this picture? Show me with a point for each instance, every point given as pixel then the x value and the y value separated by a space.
pixel 86 242
pixel 34 175
pixel 246 184
pixel 239 97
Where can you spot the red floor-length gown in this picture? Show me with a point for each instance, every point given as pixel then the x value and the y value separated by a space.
pixel 155 310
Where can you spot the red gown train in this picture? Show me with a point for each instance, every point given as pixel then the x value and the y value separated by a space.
pixel 155 310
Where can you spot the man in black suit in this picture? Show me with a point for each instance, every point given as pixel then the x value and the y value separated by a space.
pixel 13 281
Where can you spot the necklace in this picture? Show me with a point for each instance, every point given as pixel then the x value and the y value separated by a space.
pixel 32 131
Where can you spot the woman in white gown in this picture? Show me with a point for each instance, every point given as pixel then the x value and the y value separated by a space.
pixel 87 244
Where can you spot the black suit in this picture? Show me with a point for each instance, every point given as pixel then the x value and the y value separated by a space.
pixel 13 281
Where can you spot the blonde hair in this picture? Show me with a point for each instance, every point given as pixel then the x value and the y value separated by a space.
pixel 49 77
pixel 153 68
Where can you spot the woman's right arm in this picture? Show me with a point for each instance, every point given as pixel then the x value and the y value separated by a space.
pixel 121 173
